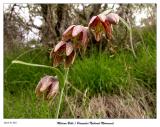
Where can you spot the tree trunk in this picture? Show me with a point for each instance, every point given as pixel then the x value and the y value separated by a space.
pixel 55 20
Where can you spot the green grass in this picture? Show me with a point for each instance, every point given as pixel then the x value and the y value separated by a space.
pixel 111 73
pixel 90 76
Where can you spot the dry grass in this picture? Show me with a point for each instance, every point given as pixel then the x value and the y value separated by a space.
pixel 139 104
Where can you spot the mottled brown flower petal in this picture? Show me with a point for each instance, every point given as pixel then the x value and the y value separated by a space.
pixel 57 59
pixel 94 21
pixel 37 90
pixel 85 37
pixel 112 18
pixel 70 59
pixel 59 45
pixel 68 33
pixel 77 46
pixel 53 89
pixel 46 82
pixel 69 29
pixel 69 48
pixel 108 29
pixel 102 17
pixel 97 36
pixel 57 54
pixel 77 30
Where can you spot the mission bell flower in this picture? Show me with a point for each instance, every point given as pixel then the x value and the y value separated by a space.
pixel 77 34
pixel 102 24
pixel 63 52
pixel 48 86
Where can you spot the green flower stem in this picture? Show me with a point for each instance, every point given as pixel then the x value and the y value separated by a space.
pixel 100 60
pixel 100 49
pixel 19 57
pixel 62 91
pixel 59 73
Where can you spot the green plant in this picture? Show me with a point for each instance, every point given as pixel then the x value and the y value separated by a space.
pixel 76 38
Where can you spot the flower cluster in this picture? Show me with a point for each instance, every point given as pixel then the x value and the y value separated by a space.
pixel 73 38
pixel 76 37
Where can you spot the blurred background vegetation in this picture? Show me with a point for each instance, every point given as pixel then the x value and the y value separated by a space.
pixel 113 84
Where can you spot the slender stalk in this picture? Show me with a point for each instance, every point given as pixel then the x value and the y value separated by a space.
pixel 59 73
pixel 100 60
pixel 100 48
pixel 71 109
pixel 130 34
pixel 131 43
pixel 62 91
pixel 19 57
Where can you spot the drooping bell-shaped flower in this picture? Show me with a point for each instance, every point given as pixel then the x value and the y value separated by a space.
pixel 63 52
pixel 47 86
pixel 97 27
pixel 77 34
pixel 102 24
